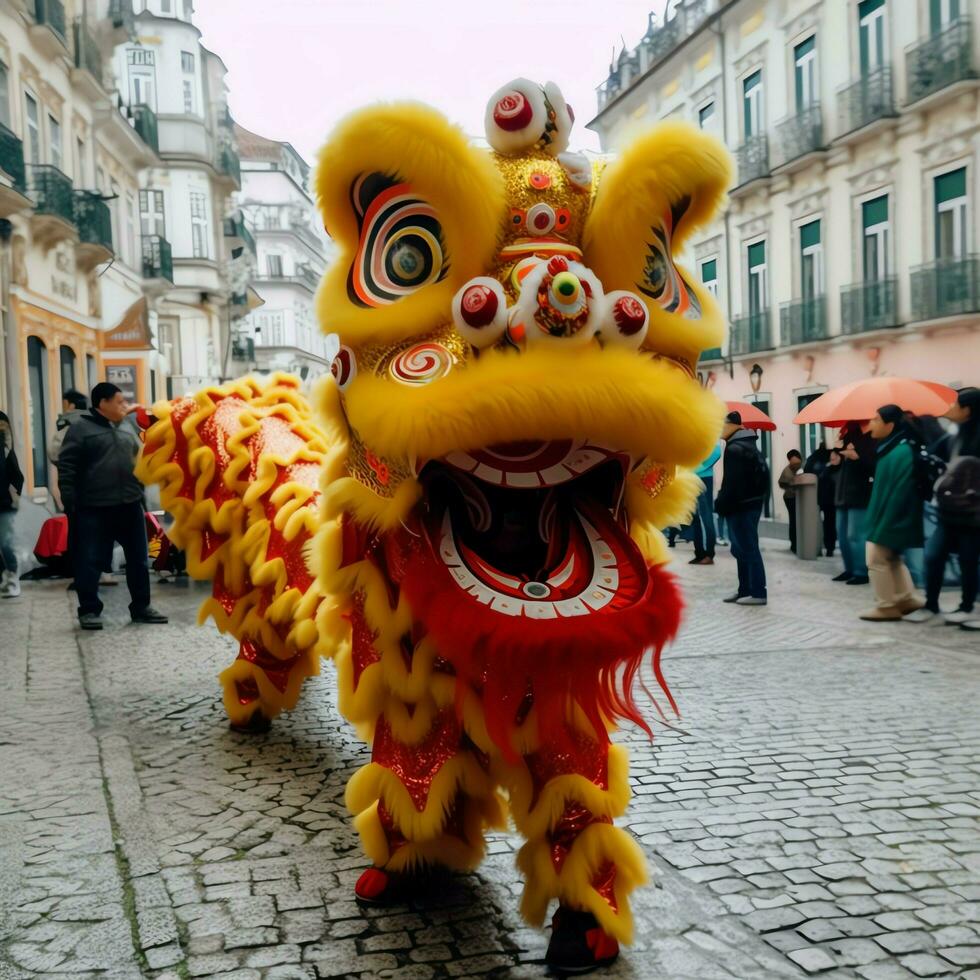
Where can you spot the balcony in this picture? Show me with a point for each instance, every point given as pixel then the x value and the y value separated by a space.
pixel 940 61
pixel 866 101
pixel 145 124
pixel 711 354
pixel 752 158
pixel 229 165
pixel 242 349
pixel 872 305
pixel 799 135
pixel 946 287
pixel 50 32
pixel 13 174
pixel 751 333
pixel 238 234
pixel 304 277
pixel 94 223
pixel 158 264
pixel 53 219
pixel 121 18
pixel 87 73
pixel 803 321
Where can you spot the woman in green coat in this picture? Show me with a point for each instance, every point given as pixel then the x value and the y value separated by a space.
pixel 894 520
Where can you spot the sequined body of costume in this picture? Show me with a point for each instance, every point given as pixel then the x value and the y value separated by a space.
pixel 469 528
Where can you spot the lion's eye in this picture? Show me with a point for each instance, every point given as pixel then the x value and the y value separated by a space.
pixel 517 217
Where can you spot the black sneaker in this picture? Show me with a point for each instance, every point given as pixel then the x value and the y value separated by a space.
pixel 843 577
pixel 578 943
pixel 148 615
pixel 90 621
pixel 858 580
pixel 258 724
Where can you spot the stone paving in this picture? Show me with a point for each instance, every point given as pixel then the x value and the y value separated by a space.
pixel 813 811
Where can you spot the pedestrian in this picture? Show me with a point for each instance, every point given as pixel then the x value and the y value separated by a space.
pixel 894 521
pixel 851 499
pixel 703 523
pixel 958 518
pixel 787 483
pixel 744 485
pixel 101 492
pixel 824 464
pixel 11 487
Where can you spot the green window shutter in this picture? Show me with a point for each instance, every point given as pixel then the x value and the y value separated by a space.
pixel 757 255
pixel 810 234
pixel 866 7
pixel 804 47
pixel 951 186
pixel 752 81
pixel 709 270
pixel 874 212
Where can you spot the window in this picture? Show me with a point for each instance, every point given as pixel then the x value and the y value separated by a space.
pixel 871 31
pixel 942 13
pixel 81 163
pixel 99 179
pixel 54 140
pixel 874 222
pixel 188 9
pixel 812 435
pixel 752 104
pixel 951 225
pixel 706 116
pixel 273 265
pixel 67 359
pixel 709 276
pixel 152 217
pixel 4 96
pixel 130 228
pixel 115 210
pixel 37 379
pixel 273 216
pixel 33 129
pixel 188 95
pixel 168 330
pixel 758 286
pixel 805 73
pixel 199 225
pixel 90 372
pixel 187 62
pixel 811 260
pixel 166 6
pixel 140 56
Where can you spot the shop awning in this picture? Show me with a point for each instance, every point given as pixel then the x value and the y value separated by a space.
pixel 133 330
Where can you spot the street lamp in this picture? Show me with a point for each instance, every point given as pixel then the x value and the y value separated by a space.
pixel 755 378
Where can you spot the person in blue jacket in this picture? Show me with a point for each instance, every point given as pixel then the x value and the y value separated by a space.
pixel 703 521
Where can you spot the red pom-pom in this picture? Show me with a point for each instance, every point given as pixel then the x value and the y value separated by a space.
pixel 629 315
pixel 479 305
pixel 371 884
pixel 512 112
pixel 558 264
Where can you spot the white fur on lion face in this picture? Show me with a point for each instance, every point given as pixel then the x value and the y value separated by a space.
pixel 522 115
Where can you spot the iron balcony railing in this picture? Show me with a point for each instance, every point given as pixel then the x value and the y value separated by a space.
pixel 52 192
pixel 87 54
pixel 871 305
pixel 751 332
pixel 711 354
pixel 946 287
pixel 229 164
pixel 12 158
pixel 868 99
pixel 242 349
pixel 802 321
pixel 93 219
pixel 121 14
pixel 158 262
pixel 940 60
pixel 303 277
pixel 753 158
pixel 145 123
pixel 799 135
pixel 235 227
pixel 52 13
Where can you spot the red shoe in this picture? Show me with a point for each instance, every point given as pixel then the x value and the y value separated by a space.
pixel 578 944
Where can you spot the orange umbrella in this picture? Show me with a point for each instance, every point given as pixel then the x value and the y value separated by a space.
pixel 752 417
pixel 860 400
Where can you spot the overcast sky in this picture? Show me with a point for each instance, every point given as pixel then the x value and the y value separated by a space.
pixel 297 66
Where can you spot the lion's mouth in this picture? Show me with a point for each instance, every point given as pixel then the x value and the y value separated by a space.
pixel 535 529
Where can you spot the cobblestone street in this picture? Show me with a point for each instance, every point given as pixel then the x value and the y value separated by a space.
pixel 813 811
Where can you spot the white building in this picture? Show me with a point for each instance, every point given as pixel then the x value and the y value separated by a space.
pixel 291 250
pixel 166 76
pixel 849 244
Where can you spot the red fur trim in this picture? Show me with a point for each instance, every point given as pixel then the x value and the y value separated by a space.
pixel 591 661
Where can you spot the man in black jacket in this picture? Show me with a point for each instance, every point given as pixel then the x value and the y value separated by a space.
pixel 101 492
pixel 853 493
pixel 744 487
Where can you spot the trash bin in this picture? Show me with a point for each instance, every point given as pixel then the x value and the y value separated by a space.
pixel 809 533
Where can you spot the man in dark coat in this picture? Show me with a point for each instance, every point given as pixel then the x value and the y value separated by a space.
pixel 101 492
pixel 744 487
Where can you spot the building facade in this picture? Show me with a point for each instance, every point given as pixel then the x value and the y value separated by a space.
pixel 291 250
pixel 849 244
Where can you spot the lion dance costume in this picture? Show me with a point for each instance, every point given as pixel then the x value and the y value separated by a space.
pixel 469 527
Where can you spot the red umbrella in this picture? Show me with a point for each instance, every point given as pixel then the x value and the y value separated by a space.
pixel 860 400
pixel 752 417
